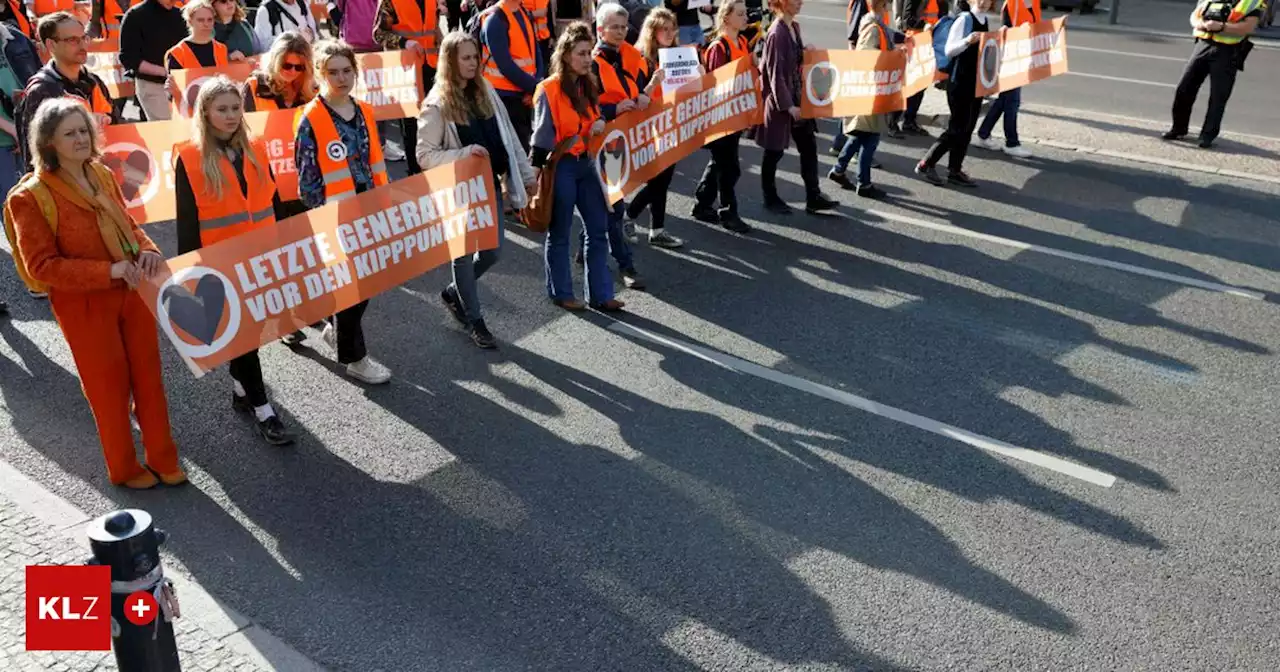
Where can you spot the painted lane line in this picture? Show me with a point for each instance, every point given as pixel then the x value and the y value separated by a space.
pixel 1072 469
pixel 1126 80
pixel 1135 54
pixel 1063 254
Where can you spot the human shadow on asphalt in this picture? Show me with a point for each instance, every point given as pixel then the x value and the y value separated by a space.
pixel 1224 221
pixel 1224 144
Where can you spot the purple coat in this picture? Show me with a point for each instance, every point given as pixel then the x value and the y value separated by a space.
pixel 779 73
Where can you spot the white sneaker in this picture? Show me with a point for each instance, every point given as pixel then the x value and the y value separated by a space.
pixel 330 335
pixel 369 371
pixel 392 151
pixel 37 295
pixel 989 143
pixel 1018 152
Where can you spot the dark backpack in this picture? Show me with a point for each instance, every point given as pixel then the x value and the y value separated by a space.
pixel 479 14
pixel 276 14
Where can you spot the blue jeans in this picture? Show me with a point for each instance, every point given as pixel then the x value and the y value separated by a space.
pixel 1007 103
pixel 468 268
pixel 691 35
pixel 864 145
pixel 9 167
pixel 578 186
pixel 619 246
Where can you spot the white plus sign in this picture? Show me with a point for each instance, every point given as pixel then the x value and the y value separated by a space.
pixel 141 608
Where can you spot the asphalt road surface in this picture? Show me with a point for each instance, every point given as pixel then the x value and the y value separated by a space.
pixel 1117 74
pixel 1027 427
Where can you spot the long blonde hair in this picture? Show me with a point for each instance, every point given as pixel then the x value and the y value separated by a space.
pixel 723 12
pixel 647 42
pixel 583 91
pixel 457 95
pixel 211 153
pixel 290 42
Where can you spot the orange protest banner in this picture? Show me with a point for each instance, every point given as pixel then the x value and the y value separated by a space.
pixel 105 63
pixel 639 145
pixel 141 156
pixel 1018 56
pixel 389 80
pixel 227 299
pixel 922 68
pixel 848 82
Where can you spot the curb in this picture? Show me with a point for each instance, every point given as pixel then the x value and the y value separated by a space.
pixel 941 120
pixel 221 622
pixel 1261 42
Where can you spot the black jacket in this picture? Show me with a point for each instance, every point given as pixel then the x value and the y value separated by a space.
pixel 48 83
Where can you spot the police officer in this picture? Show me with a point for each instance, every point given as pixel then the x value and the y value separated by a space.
pixel 1220 30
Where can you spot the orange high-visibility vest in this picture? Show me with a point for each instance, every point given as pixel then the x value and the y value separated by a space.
pixel 186 58
pixel 567 121
pixel 736 49
pixel 334 168
pixel 884 34
pixel 263 99
pixel 418 24
pixel 231 213
pixel 42 7
pixel 100 103
pixel 20 17
pixel 541 23
pixel 618 86
pixel 1020 14
pixel 112 12
pixel 521 46
pixel 929 15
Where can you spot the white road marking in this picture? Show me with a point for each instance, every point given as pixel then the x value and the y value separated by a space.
pixel 1126 80
pixel 1135 54
pixel 1087 474
pixel 1074 256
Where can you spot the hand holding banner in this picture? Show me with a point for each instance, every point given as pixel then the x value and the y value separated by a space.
pixel 222 301
pixel 843 83
pixel 1015 57
pixel 639 145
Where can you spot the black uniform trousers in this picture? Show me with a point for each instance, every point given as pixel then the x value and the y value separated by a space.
pixel 1216 61
pixel 964 106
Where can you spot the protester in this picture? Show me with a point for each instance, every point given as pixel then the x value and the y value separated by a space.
pixel 356 21
pixel 512 63
pixel 540 10
pixel 688 22
pixel 91 265
pixel 14 12
pixel 462 116
pixel 278 16
pixel 285 76
pixel 720 178
pixel 199 50
pixel 224 187
pixel 147 33
pixel 962 99
pixel 232 30
pixel 105 17
pixel 1220 32
pixel 10 157
pixel 411 25
pixel 781 87
pixel 917 16
pixel 623 75
pixel 565 109
pixel 1014 13
pixel 864 129
pixel 658 32
pixel 21 52
pixel 338 155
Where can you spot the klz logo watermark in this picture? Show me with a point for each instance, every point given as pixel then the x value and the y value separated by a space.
pixel 68 608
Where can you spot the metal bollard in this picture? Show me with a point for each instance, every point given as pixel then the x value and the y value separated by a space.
pixel 128 543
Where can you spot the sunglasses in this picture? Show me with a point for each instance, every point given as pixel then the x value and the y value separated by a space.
pixel 296 67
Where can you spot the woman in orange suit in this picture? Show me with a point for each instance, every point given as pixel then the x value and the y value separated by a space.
pixel 75 236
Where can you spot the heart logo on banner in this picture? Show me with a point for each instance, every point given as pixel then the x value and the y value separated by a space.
pixel 198 314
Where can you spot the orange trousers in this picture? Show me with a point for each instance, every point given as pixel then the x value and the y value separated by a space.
pixel 113 340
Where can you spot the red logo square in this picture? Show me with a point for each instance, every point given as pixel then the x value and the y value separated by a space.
pixel 68 608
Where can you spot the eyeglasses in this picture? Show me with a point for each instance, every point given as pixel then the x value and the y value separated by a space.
pixel 296 67
pixel 74 40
